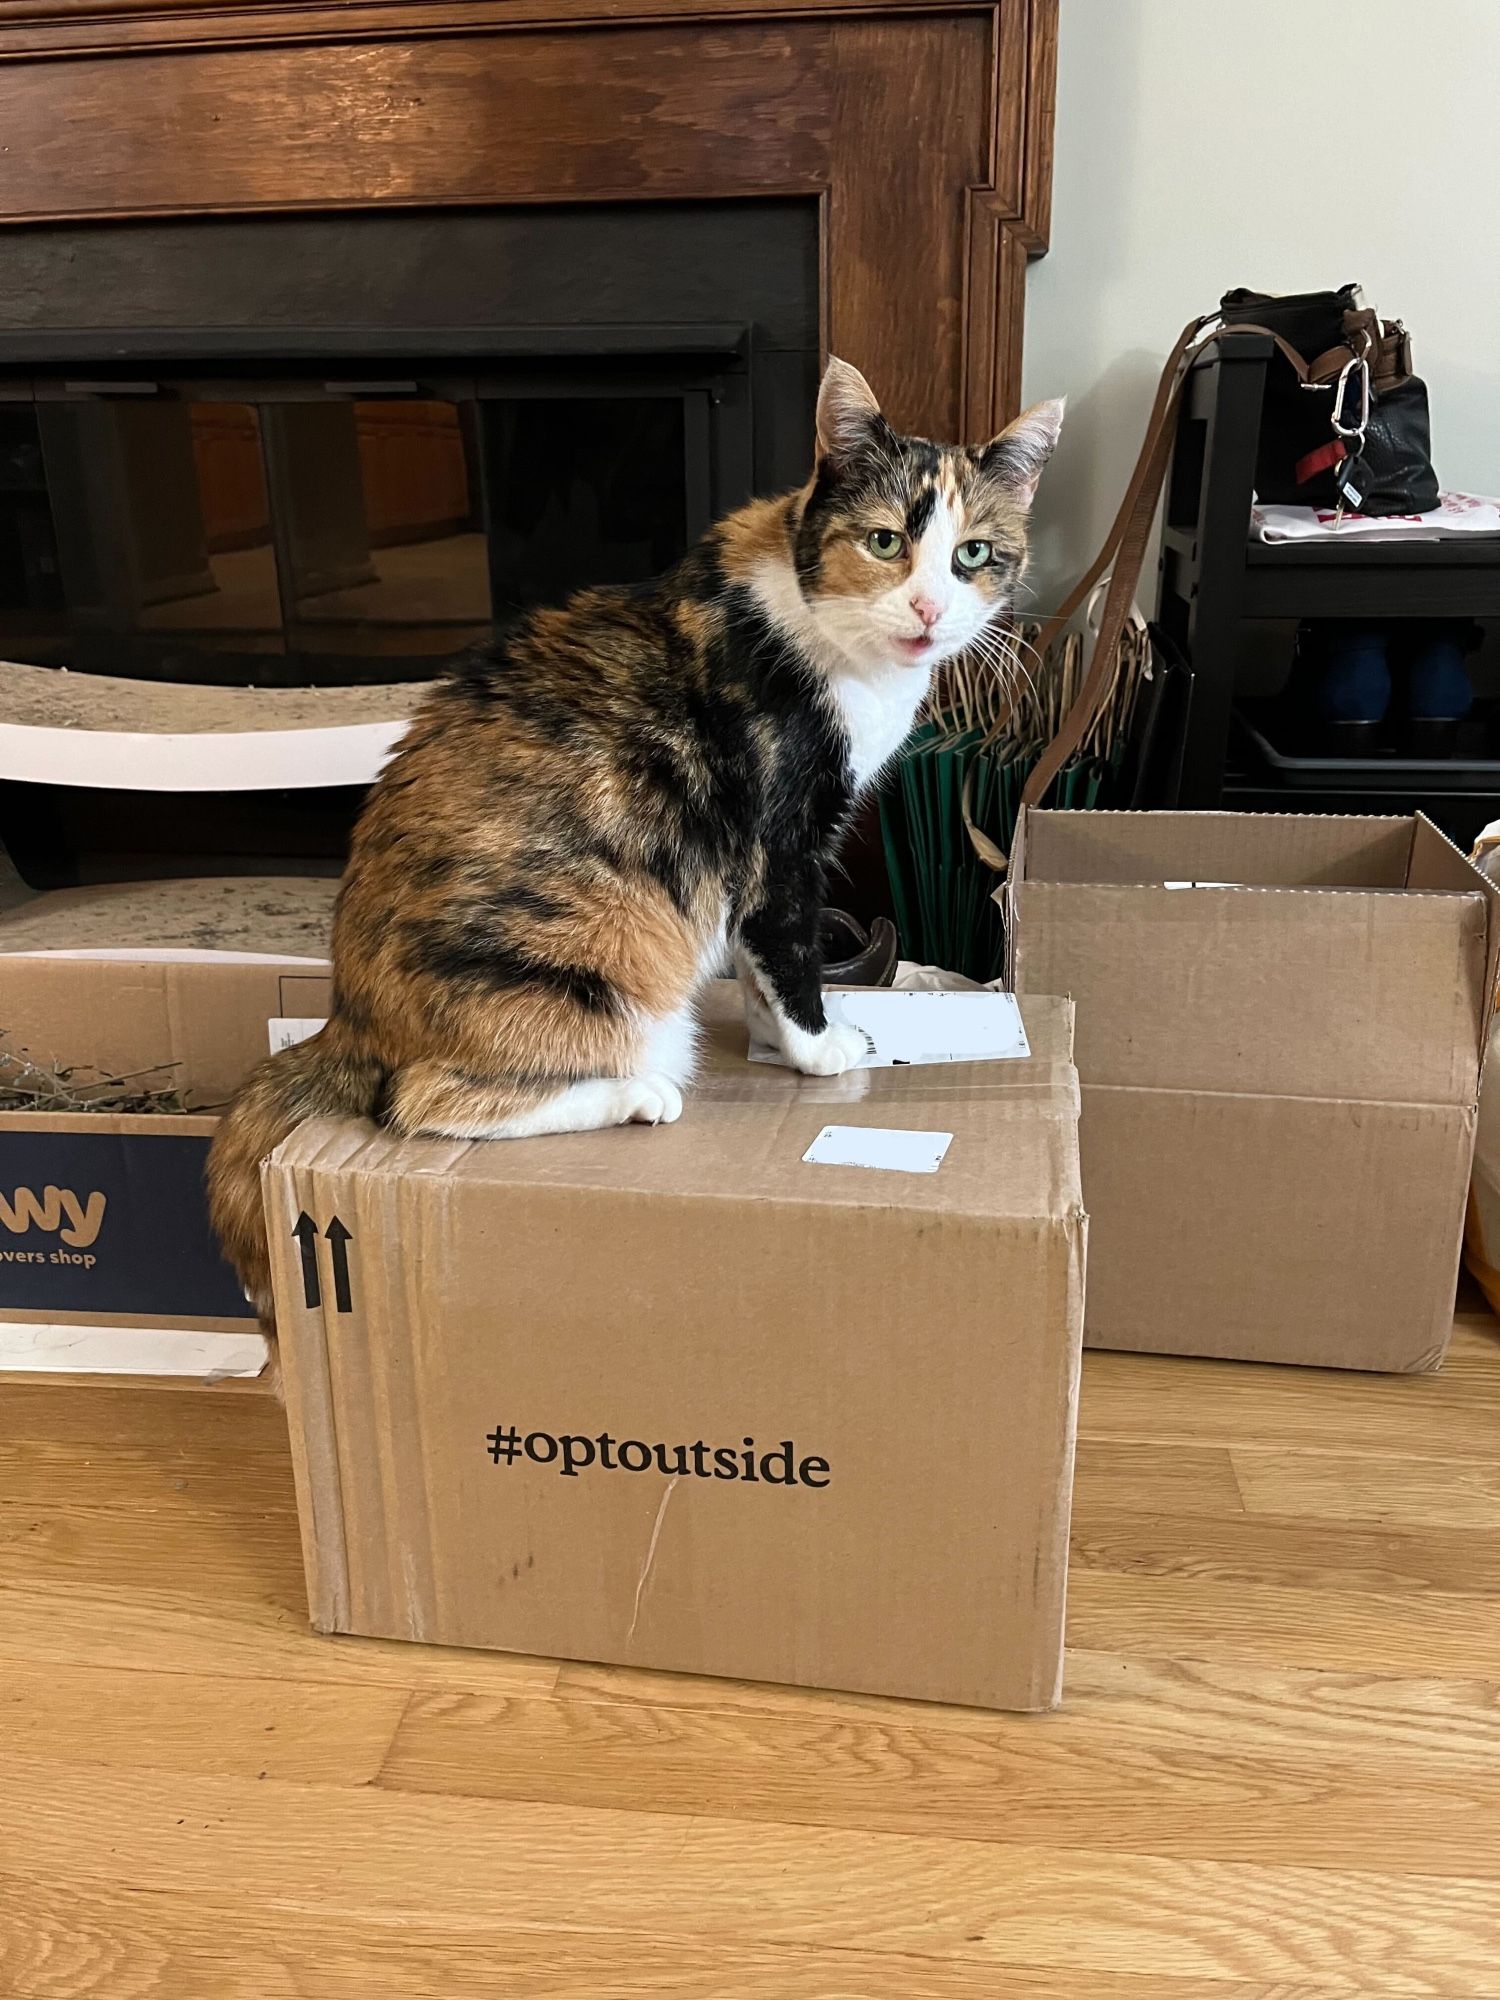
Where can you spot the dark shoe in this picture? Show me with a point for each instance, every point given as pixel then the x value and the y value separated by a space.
pixel 1437 680
pixel 1350 674
pixel 867 958
pixel 1348 739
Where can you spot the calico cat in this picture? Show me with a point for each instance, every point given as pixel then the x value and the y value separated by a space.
pixel 587 819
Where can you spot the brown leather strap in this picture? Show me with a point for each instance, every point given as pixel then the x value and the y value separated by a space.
pixel 1327 366
pixel 1131 502
pixel 1125 548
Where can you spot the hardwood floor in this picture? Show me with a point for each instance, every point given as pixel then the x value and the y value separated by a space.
pixel 1276 1775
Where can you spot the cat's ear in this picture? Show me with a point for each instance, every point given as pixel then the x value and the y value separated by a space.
pixel 847 413
pixel 1017 456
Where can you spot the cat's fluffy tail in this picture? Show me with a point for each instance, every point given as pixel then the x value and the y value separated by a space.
pixel 327 1076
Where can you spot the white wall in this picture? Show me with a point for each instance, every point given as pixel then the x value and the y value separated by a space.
pixel 1203 145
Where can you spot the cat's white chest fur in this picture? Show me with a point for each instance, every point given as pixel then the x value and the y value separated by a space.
pixel 877 711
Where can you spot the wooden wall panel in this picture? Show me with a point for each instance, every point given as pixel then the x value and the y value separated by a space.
pixel 896 206
pixel 30 27
pixel 601 115
pixel 924 130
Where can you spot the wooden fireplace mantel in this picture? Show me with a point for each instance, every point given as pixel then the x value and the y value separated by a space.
pixel 923 132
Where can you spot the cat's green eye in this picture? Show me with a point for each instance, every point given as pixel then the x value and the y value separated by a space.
pixel 885 543
pixel 972 555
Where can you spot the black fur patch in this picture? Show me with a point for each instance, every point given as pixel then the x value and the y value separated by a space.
pixel 478 957
pixel 920 512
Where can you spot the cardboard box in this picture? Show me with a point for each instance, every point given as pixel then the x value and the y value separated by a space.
pixel 103 1217
pixel 1281 1021
pixel 680 1399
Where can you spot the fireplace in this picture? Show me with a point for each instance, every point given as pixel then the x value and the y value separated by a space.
pixel 330 334
pixel 382 445
pixel 320 450
pixel 347 526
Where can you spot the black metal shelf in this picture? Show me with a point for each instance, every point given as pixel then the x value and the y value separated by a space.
pixel 1273 766
pixel 1215 580
pixel 1461 814
pixel 1452 579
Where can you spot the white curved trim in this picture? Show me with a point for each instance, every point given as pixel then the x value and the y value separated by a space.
pixel 251 760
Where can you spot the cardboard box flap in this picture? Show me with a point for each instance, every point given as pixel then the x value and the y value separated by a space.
pixel 1437 864
pixel 123 1015
pixel 1291 850
pixel 1365 995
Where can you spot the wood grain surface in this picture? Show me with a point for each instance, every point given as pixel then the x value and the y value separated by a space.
pixel 1276 1775
pixel 923 133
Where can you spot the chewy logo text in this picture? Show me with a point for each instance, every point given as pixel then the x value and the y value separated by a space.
pixel 78 1222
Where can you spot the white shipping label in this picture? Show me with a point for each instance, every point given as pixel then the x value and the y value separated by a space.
pixel 288 1029
pixel 934 1027
pixel 911 1028
pixel 873 1146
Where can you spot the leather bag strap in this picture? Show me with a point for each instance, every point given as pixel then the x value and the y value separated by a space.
pixel 1123 554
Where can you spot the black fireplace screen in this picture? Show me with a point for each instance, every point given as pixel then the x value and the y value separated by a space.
pixel 296 530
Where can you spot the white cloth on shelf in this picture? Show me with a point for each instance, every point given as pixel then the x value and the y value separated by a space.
pixel 1455 514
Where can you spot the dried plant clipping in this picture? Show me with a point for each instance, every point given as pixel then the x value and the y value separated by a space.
pixel 27 1084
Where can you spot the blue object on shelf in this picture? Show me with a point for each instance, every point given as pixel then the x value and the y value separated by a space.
pixel 1438 688
pixel 1353 674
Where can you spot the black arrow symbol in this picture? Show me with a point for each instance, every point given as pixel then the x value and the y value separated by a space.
pixel 339 1239
pixel 306 1233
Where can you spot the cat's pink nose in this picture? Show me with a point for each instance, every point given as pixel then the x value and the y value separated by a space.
pixel 927 609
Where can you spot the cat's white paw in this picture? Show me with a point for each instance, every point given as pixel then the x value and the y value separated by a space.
pixel 650 1100
pixel 837 1049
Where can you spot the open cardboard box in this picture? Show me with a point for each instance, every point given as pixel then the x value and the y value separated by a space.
pixel 1281 1022
pixel 107 1260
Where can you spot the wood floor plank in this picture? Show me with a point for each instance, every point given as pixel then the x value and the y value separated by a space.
pixel 1251 1549
pixel 210 1556
pixel 80 1942
pixel 1401 1725
pixel 1382 1488
pixel 212 1725
pixel 35 1476
pixel 1351 1632
pixel 176 1632
pixel 1391 1723
pixel 139 1448
pixel 1476 1339
pixel 385 1855
pixel 1072 1782
pixel 1136 1477
pixel 1455 1414
pixel 116 1415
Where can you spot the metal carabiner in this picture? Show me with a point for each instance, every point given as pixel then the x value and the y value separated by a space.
pixel 1352 430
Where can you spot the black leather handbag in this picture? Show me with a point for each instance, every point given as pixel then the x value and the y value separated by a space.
pixel 1346 420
